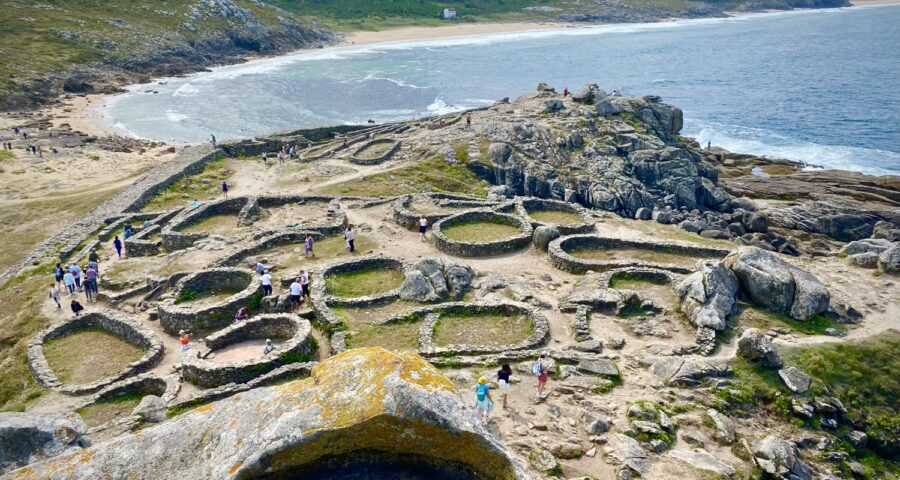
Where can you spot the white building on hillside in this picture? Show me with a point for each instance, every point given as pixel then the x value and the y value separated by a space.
pixel 449 13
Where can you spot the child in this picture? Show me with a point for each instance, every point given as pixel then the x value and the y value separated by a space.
pixel 503 380
pixel 423 226
pixel 185 339
pixel 484 404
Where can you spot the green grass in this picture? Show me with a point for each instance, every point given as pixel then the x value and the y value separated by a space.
pixel 396 336
pixel 362 283
pixel 764 320
pixel 358 318
pixel 556 217
pixel 193 185
pixel 290 258
pixel 433 173
pixel 631 254
pixel 220 224
pixel 206 297
pixel 480 231
pixel 89 355
pixel 101 412
pixel 7 155
pixel 481 328
pixel 21 300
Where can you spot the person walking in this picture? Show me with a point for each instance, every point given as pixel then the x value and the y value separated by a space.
pixel 212 139
pixel 265 157
pixel 93 257
pixel 296 294
pixel 267 283
pixel 77 308
pixel 118 244
pixel 468 121
pixel 75 270
pixel 90 284
pixel 484 404
pixel 269 347
pixel 423 226
pixel 308 245
pixel 58 274
pixel 225 188
pixel 260 268
pixel 54 294
pixel 185 339
pixel 349 237
pixel 503 381
pixel 69 281
pixel 304 282
pixel 542 371
pixel 565 92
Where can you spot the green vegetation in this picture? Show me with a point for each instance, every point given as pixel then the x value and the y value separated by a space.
pixel 20 299
pixel 485 328
pixel 219 224
pixel 101 412
pixel 363 282
pixel 433 173
pixel 195 186
pixel 89 355
pixel 763 319
pixel 290 258
pixel 556 217
pixel 480 231
pixel 358 318
pixel 631 254
pixel 625 280
pixel 208 297
pixel 395 336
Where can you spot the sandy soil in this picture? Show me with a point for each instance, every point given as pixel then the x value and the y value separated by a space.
pixel 405 34
pixel 243 351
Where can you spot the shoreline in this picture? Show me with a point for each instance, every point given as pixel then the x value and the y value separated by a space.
pixel 86 112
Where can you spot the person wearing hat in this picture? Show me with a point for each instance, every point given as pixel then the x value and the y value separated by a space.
pixel 269 347
pixel 484 404
pixel 185 339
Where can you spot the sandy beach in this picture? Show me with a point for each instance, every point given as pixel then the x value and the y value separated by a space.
pixel 449 31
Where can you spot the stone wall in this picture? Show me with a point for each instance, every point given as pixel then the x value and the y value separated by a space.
pixel 108 321
pixel 183 316
pixel 299 345
pixel 271 241
pixel 165 387
pixel 655 275
pixel 561 259
pixel 482 249
pixel 538 337
pixel 530 204
pixel 409 219
pixel 355 158
pixel 173 240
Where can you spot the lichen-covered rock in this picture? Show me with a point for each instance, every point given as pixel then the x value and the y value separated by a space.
pixel 796 380
pixel 708 295
pixel 366 399
pixel 27 437
pixel 780 459
pixel 589 93
pixel 724 426
pixel 776 284
pixel 757 346
pixel 431 280
pixel 703 460
pixel 866 245
pixel 543 235
pixel 630 453
pixel 889 260
pixel 865 259
pixel 151 409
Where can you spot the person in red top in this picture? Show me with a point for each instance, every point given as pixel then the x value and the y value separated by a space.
pixel 185 338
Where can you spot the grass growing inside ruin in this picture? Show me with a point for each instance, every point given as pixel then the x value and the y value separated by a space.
pixel 89 355
pixel 396 336
pixel 290 258
pixel 556 217
pixel 480 231
pixel 632 254
pixel 375 150
pixel 358 318
pixel 661 293
pixel 101 412
pixel 206 297
pixel 433 173
pixel 758 318
pixel 194 186
pixel 481 328
pixel 218 224
pixel 363 283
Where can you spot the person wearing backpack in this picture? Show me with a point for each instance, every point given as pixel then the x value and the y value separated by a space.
pixel 541 370
pixel 484 404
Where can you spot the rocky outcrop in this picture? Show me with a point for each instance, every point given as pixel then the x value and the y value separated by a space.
pixel 708 295
pixel 27 438
pixel 889 260
pixel 543 235
pixel 756 346
pixel 780 459
pixel 364 400
pixel 796 380
pixel 432 279
pixel 774 283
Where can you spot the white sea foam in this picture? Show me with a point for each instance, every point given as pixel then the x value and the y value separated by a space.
pixel 438 107
pixel 760 141
pixel 175 117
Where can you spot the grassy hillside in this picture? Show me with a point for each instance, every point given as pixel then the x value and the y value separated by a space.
pixel 85 45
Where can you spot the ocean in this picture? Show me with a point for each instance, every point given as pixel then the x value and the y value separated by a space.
pixel 818 86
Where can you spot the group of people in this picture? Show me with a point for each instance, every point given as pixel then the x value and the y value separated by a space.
pixel 299 288
pixel 74 278
pixel 484 402
pixel 288 151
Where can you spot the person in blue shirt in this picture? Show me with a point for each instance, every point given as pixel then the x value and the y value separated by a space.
pixel 484 404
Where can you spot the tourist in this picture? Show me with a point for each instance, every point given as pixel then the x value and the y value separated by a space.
pixel 423 226
pixel 90 284
pixel 542 371
pixel 75 270
pixel 484 404
pixel 118 244
pixel 54 294
pixel 185 339
pixel 58 274
pixel 468 121
pixel 265 157
pixel 128 231
pixel 267 283
pixel 194 203
pixel 708 145
pixel 269 347
pixel 344 143
pixel 147 224
pixel 296 294
pixel 224 188
pixel 565 92
pixel 76 307
pixel 304 282
pixel 260 268
pixel 503 381
pixel 308 245
pixel 241 315
pixel 69 281
pixel 93 257
pixel 349 237
pixel 212 139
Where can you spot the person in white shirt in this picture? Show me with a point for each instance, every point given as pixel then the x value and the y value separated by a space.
pixel 267 283
pixel 304 282
pixel 54 294
pixel 350 236
pixel 423 226
pixel 296 294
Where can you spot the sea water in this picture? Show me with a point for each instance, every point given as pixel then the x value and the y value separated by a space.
pixel 820 86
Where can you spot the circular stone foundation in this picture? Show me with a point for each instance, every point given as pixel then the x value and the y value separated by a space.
pixel 135 388
pixel 568 218
pixel 207 300
pixel 489 233
pixel 580 253
pixel 444 205
pixel 361 281
pixel 298 347
pixel 375 151
pixel 106 321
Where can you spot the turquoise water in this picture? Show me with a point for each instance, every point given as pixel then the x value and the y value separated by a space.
pixel 816 86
